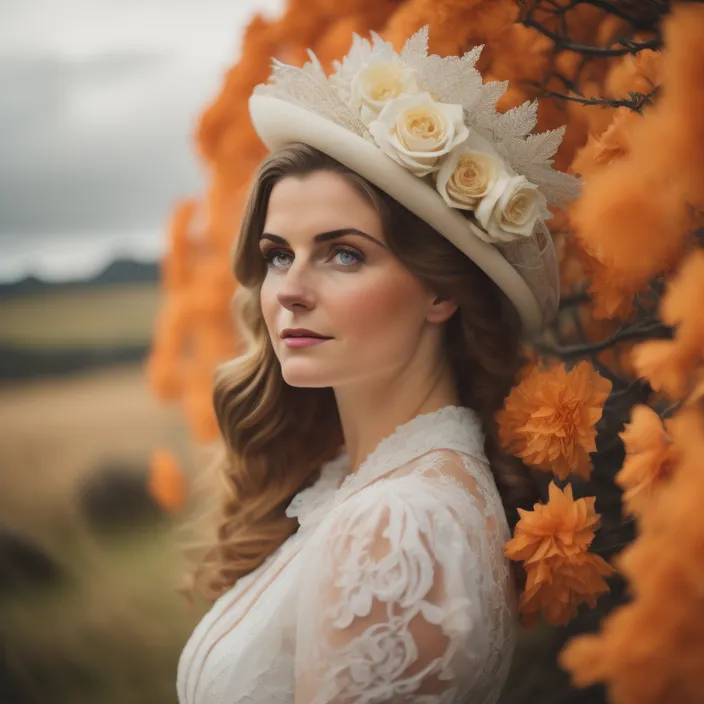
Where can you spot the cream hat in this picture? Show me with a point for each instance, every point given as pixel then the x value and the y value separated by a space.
pixel 424 129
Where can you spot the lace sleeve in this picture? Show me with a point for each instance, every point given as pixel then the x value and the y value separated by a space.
pixel 394 602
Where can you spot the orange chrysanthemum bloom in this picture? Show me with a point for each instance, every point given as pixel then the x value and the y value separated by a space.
pixel 552 541
pixel 650 459
pixel 167 484
pixel 548 419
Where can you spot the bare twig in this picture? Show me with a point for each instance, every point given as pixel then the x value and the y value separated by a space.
pixel 650 330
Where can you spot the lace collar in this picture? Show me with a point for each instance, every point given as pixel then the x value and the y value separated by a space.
pixel 450 428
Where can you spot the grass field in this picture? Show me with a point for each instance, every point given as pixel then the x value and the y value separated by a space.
pixel 95 316
pixel 113 632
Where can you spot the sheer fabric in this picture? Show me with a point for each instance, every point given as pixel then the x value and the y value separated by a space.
pixel 394 588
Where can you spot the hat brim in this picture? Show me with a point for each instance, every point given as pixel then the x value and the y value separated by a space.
pixel 279 123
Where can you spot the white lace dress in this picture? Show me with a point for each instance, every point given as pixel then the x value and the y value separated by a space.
pixel 394 588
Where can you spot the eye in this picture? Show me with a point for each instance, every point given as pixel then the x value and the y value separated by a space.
pixel 348 258
pixel 273 254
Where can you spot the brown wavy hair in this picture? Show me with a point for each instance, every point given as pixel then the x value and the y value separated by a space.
pixel 277 436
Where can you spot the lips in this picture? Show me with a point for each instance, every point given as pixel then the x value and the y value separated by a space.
pixel 302 332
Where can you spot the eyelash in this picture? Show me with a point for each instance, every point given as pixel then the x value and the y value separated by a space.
pixel 270 254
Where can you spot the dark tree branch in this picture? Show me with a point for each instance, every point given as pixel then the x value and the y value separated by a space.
pixel 621 47
pixel 637 100
pixel 648 331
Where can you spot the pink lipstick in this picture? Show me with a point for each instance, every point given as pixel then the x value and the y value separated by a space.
pixel 304 341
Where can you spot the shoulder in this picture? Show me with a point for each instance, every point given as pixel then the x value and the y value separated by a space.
pixel 437 480
pixel 404 565
pixel 438 494
pixel 444 506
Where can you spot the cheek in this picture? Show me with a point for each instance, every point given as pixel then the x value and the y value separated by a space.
pixel 389 306
pixel 268 302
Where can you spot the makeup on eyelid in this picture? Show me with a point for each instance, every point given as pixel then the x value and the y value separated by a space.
pixel 359 257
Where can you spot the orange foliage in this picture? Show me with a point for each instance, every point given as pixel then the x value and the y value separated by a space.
pixel 651 650
pixel 683 98
pixel 674 366
pixel 608 146
pixel 633 222
pixel 167 483
pixel 633 217
pixel 549 417
pixel 650 459
pixel 552 541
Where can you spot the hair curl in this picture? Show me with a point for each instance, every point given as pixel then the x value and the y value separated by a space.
pixel 277 436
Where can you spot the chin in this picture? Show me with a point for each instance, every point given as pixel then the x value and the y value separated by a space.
pixel 305 373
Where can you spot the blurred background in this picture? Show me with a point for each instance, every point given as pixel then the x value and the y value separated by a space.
pixel 99 105
pixel 125 155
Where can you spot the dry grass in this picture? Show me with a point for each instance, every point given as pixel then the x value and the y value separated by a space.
pixel 53 433
pixel 109 315
pixel 112 634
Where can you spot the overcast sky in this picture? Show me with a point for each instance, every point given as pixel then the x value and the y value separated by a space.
pixel 98 102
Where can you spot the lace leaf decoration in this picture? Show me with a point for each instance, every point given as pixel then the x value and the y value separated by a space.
pixel 532 157
pixel 517 122
pixel 452 79
pixel 416 45
pixel 309 88
pixel 360 54
pixel 483 115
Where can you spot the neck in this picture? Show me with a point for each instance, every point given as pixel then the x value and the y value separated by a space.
pixel 371 411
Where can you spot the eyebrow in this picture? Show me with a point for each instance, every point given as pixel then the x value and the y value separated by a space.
pixel 325 236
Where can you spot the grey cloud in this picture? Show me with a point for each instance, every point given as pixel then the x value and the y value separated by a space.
pixel 59 177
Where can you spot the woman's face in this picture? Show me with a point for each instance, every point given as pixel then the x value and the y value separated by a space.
pixel 329 270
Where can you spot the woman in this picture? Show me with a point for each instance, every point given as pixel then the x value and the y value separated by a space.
pixel 360 553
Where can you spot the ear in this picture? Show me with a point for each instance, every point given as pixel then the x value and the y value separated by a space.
pixel 441 309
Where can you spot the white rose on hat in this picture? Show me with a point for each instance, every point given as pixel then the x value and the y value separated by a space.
pixel 377 84
pixel 467 175
pixel 511 208
pixel 417 131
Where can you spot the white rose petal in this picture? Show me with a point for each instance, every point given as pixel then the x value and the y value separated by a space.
pixel 485 208
pixel 377 84
pixel 511 208
pixel 466 176
pixel 417 131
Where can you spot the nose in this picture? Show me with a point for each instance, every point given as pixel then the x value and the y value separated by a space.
pixel 294 292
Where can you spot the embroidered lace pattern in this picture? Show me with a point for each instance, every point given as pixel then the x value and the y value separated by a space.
pixel 398 590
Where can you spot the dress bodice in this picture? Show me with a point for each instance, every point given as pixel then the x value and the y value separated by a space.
pixel 393 589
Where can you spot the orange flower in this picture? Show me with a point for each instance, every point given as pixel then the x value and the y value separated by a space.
pixel 632 220
pixel 659 362
pixel 672 366
pixel 548 419
pixel 651 650
pixel 552 542
pixel 611 145
pixel 650 459
pixel 612 294
pixel 167 483
pixel 683 76
pixel 679 305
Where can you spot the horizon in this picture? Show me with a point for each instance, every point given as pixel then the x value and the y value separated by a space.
pixel 97 141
